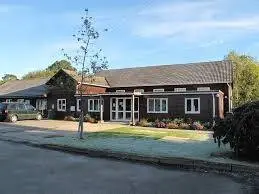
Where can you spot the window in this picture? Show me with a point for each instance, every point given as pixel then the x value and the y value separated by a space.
pixel 192 105
pixel 157 105
pixel 29 107
pixel 203 89
pixel 78 105
pixel 159 90
pixel 93 105
pixel 139 91
pixel 61 105
pixel 180 89
pixel 8 100
pixel 120 91
pixel 41 104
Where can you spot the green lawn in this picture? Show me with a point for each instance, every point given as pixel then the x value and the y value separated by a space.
pixel 135 132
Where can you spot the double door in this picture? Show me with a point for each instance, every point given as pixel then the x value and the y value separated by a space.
pixel 121 109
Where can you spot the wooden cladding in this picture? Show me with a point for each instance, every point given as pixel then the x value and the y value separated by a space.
pixel 87 89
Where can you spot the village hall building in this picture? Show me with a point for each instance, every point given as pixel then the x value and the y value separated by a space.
pixel 201 91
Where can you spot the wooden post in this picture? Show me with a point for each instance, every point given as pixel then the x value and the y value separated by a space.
pixel 101 109
pixel 132 110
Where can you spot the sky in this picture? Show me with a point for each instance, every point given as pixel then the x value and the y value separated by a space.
pixel 140 32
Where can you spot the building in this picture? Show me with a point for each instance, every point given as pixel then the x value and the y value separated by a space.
pixel 201 91
pixel 31 91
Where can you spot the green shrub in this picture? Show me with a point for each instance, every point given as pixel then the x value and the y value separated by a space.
pixel 172 125
pixel 143 123
pixel 184 126
pixel 178 121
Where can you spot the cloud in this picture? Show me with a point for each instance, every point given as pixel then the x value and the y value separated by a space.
pixel 193 21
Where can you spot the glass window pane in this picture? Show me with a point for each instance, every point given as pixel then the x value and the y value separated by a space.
pixel 113 104
pixel 120 104
pixel 164 105
pixel 120 115
pixel 113 116
pixel 96 105
pixel 151 105
pixel 136 116
pixel 196 106
pixel 136 104
pixel 128 104
pixel 189 104
pixel 157 105
pixel 128 115
pixel 90 104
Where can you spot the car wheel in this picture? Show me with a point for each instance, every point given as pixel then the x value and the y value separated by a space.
pixel 13 118
pixel 38 117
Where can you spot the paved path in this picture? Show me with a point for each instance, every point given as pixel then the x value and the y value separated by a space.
pixel 28 170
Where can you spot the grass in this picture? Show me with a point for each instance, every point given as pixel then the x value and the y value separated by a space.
pixel 139 133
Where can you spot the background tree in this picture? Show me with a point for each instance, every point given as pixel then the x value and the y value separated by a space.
pixel 50 70
pixel 245 78
pixel 63 64
pixel 87 58
pixel 8 77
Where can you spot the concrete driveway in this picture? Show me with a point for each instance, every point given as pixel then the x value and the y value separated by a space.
pixel 66 125
pixel 28 170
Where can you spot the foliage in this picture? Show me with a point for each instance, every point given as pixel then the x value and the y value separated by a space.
pixel 160 124
pixel 62 64
pixel 184 126
pixel 240 130
pixel 8 77
pixel 143 123
pixel 38 74
pixel 50 70
pixel 178 121
pixel 245 78
pixel 69 118
pixel 197 126
pixel 172 125
pixel 88 118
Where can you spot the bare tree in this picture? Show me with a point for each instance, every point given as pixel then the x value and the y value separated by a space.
pixel 87 57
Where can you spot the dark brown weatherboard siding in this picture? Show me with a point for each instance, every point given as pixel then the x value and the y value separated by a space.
pixel 176 107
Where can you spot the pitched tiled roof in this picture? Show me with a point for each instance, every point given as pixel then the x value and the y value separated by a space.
pixel 24 88
pixel 95 80
pixel 180 74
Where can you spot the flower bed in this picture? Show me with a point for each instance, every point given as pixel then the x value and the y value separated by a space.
pixel 176 123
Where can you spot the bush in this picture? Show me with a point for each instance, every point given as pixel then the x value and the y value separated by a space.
pixel 172 125
pixel 69 118
pixel 178 121
pixel 166 120
pixel 240 130
pixel 160 124
pixel 184 126
pixel 197 126
pixel 90 119
pixel 143 123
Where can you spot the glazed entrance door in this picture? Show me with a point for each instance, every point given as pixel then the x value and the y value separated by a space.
pixel 121 109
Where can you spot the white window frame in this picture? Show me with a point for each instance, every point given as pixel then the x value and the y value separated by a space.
pixel 92 110
pixel 120 91
pixel 78 105
pixel 160 99
pixel 159 90
pixel 180 89
pixel 192 106
pixel 203 89
pixel 63 102
pixel 8 100
pixel 138 90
